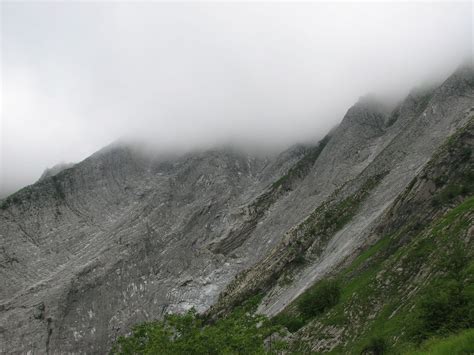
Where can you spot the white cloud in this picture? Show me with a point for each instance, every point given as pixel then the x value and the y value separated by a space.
pixel 78 75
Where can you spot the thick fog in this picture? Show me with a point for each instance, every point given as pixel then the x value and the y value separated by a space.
pixel 76 76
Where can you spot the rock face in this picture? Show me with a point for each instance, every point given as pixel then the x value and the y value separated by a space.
pixel 124 237
pixel 120 238
pixel 55 170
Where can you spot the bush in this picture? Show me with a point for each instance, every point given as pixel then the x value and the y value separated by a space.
pixel 447 306
pixel 290 322
pixel 444 309
pixel 376 346
pixel 465 154
pixel 299 260
pixel 323 296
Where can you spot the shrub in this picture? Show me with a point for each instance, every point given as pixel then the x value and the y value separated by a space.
pixel 446 307
pixel 290 322
pixel 323 296
pixel 375 346
pixel 299 259
pixel 465 154
pixel 448 304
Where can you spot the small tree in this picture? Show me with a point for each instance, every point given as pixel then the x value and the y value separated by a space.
pixel 376 346
pixel 325 295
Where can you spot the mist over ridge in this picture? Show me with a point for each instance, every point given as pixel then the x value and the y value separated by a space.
pixel 181 77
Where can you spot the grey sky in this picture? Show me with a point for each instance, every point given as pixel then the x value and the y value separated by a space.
pixel 78 75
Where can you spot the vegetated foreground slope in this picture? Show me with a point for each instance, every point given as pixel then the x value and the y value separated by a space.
pixel 123 237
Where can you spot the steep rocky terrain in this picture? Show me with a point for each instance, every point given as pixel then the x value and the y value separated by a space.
pixel 414 279
pixel 394 159
pixel 120 238
pixel 125 236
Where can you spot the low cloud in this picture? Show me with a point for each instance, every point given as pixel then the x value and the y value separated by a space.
pixel 79 75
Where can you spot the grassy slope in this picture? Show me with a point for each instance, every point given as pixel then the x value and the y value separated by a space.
pixel 462 343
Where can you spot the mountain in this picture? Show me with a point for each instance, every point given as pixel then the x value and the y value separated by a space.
pixel 127 236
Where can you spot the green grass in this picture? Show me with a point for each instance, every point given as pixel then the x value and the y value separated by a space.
pixel 462 343
pixel 381 244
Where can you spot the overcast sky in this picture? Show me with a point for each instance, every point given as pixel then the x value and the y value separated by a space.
pixel 78 75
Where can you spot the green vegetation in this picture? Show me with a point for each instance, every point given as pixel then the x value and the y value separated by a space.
pixel 460 184
pixel 373 311
pixel 242 332
pixel 375 346
pixel 315 301
pixel 462 343
pixel 450 192
pixel 320 298
pixel 289 321
pixel 447 306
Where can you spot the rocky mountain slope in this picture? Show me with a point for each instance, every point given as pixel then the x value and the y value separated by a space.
pixel 414 278
pixel 372 183
pixel 125 236
pixel 410 291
